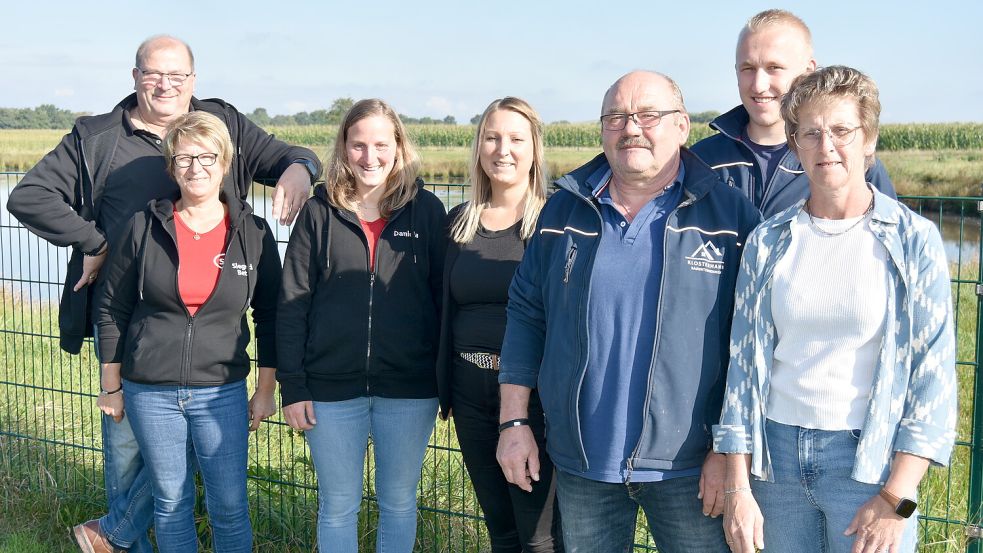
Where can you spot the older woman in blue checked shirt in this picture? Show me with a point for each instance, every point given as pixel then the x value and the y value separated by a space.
pixel 841 389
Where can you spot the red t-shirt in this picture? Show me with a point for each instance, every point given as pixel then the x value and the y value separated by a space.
pixel 372 232
pixel 199 261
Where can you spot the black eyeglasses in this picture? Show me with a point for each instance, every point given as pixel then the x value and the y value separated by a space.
pixel 644 119
pixel 155 77
pixel 184 160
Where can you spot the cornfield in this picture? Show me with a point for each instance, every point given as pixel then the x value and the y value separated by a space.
pixel 907 136
pixel 927 136
pixel 21 149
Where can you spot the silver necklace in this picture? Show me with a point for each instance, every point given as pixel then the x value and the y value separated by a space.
pixel 824 232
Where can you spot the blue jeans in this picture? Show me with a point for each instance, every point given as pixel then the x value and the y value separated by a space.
pixel 130 505
pixel 813 499
pixel 599 517
pixel 128 491
pixel 176 426
pixel 400 430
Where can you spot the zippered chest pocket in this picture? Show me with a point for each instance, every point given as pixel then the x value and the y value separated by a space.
pixel 569 260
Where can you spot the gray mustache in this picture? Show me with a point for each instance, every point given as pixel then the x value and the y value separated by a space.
pixel 633 142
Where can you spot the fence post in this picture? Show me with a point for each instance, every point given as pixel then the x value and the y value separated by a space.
pixel 974 509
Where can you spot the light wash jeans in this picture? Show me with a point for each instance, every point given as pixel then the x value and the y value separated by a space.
pixel 130 504
pixel 128 490
pixel 400 430
pixel 175 426
pixel 599 517
pixel 813 499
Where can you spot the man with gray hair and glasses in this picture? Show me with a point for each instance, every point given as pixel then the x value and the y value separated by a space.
pixel 83 192
pixel 750 152
pixel 619 315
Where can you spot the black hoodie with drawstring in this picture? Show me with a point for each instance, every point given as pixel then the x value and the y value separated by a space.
pixel 347 331
pixel 144 324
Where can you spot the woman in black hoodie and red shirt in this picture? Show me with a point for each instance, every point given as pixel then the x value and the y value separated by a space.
pixel 171 323
pixel 357 327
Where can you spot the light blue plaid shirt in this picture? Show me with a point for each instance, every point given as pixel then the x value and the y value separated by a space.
pixel 912 406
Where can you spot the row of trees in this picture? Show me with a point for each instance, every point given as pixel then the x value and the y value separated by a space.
pixel 44 116
pixel 332 116
pixel 48 116
pixel 341 106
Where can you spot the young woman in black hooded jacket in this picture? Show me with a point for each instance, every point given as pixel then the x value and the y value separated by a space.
pixel 358 326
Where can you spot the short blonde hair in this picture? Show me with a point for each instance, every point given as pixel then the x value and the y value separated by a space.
pixel 772 18
pixel 465 225
pixel 199 126
pixel 400 186
pixel 836 82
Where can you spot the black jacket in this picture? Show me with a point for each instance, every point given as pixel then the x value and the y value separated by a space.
pixel 344 331
pixel 445 352
pixel 58 199
pixel 144 324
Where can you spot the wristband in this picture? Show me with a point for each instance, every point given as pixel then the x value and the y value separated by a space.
pixel 98 251
pixel 737 490
pixel 512 424
pixel 309 165
pixel 107 393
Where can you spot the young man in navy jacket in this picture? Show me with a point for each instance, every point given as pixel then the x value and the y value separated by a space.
pixel 619 314
pixel 750 151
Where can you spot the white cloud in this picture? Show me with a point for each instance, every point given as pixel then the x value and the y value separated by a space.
pixel 64 92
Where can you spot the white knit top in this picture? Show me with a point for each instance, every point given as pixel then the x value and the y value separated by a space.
pixel 829 302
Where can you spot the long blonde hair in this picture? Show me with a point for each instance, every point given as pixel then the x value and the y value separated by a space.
pixel 466 223
pixel 400 185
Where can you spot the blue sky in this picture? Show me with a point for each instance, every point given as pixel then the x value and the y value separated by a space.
pixel 453 57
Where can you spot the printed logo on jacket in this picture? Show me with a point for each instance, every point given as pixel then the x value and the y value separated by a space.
pixel 707 258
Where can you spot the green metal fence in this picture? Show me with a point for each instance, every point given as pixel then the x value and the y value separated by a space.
pixel 50 437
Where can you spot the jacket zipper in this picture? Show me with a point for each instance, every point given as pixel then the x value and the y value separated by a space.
pixel 368 347
pixel 189 334
pixel 592 253
pixel 629 464
pixel 190 331
pixel 373 268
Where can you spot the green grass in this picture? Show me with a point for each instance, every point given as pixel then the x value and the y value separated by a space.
pixel 50 479
pixel 47 486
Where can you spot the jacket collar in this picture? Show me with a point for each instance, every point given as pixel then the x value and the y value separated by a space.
pixel 163 208
pixel 698 179
pixel 732 123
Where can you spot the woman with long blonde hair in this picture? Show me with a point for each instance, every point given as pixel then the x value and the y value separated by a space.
pixel 487 237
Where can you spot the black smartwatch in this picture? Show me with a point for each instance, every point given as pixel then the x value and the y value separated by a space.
pixel 309 165
pixel 903 507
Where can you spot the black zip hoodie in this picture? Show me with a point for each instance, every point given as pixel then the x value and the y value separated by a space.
pixel 144 324
pixel 345 331
pixel 59 198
